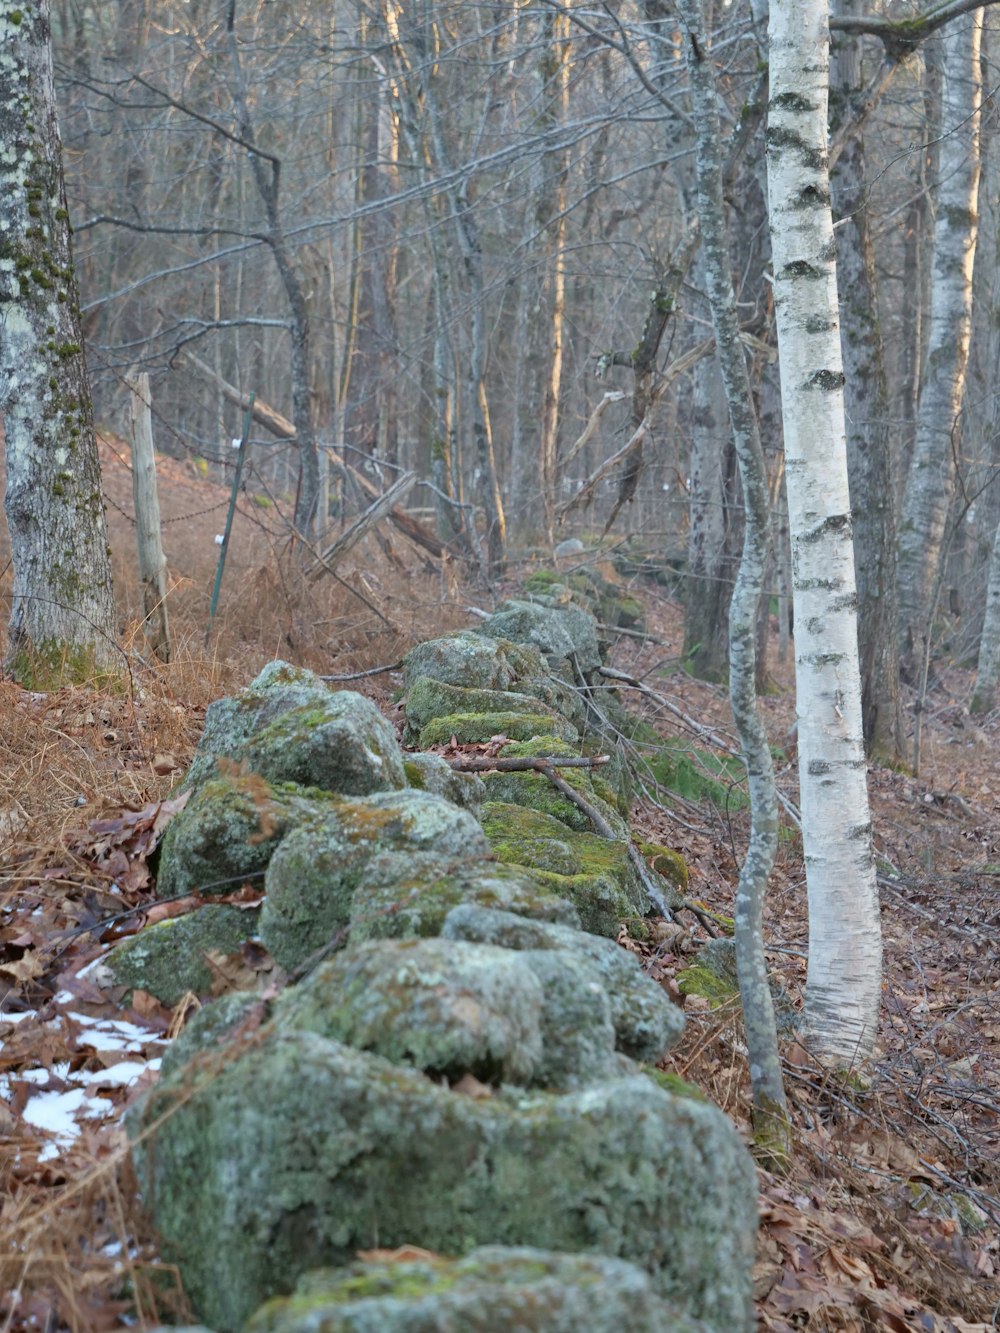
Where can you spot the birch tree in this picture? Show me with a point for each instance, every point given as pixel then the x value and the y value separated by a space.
pixel 932 470
pixel 62 621
pixel 844 971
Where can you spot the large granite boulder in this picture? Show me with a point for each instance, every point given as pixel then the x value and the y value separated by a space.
pixel 286 1151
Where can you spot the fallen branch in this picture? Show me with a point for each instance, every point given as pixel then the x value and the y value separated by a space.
pixel 379 509
pixel 541 763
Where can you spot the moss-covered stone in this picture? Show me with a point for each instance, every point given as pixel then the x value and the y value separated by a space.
pixel 168 959
pixel 228 831
pixel 288 726
pixel 475 661
pixel 667 863
pixel 534 790
pixel 698 774
pixel 314 873
pixel 712 975
pixel 428 699
pixel 408 894
pixel 493 1288
pixel 646 1023
pixel 431 772
pixel 214 1027
pixel 594 873
pixel 469 728
pixel 301 1151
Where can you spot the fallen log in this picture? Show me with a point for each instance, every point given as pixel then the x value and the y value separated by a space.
pixel 283 429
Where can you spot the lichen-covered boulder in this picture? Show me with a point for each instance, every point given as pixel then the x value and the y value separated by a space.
pixel 313 874
pixel 470 728
pixel 454 1008
pixel 288 726
pixel 170 958
pixel 294 1152
pixel 406 894
pixel 492 1289
pixel 594 873
pixel 228 831
pixel 564 632
pixel 433 773
pixel 646 1022
pixel 475 661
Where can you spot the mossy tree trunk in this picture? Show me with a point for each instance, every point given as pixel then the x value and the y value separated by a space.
pixel 62 621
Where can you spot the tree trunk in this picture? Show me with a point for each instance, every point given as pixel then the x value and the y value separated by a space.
pixel 62 621
pixel 866 402
pixel 932 469
pixel 845 957
pixel 770 1112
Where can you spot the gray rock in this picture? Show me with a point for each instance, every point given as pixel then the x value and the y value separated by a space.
pixel 228 831
pixel 646 1022
pixel 406 894
pixel 314 873
pixel 566 632
pixel 450 1009
pixel 571 546
pixel 215 1026
pixel 472 660
pixel 289 727
pixel 298 1151
pixel 433 773
pixel 168 959
pixel 492 1289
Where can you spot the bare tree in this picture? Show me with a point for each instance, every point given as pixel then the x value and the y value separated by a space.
pixel 62 622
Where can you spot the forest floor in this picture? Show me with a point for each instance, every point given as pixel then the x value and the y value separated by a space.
pixel 889 1218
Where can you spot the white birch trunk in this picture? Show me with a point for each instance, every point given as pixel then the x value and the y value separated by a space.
pixel 931 476
pixel 62 621
pixel 844 974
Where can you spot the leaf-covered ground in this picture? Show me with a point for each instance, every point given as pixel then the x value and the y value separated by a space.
pixel 890 1216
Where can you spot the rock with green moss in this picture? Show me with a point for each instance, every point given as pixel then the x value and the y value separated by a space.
pixel 474 661
pixel 429 699
pixel 431 772
pixel 299 1151
pixel 170 958
pixel 559 633
pixel 712 975
pixel 594 873
pixel 491 1289
pixel 403 895
pixel 228 830
pixel 231 722
pixel 534 790
pixel 343 744
pixel 646 1023
pixel 667 863
pixel 470 728
pixel 312 877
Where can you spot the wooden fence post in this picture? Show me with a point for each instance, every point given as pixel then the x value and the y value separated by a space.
pixel 152 562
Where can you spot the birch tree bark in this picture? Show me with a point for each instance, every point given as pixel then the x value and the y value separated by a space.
pixel 844 973
pixel 770 1113
pixel 930 481
pixel 62 620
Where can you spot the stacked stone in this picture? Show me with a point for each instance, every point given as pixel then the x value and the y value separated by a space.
pixel 467 1058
